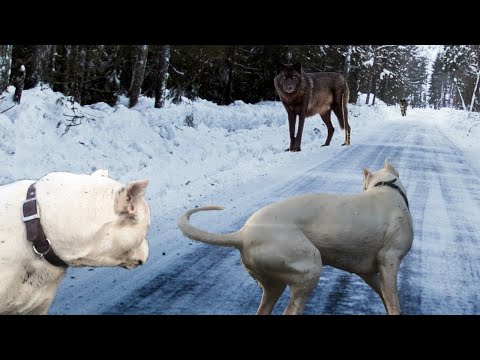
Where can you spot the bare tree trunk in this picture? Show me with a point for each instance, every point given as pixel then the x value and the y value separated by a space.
pixel 348 59
pixel 40 63
pixel 19 84
pixel 228 88
pixel 162 75
pixel 474 91
pixel 79 70
pixel 368 93
pixel 71 71
pixel 138 73
pixel 87 72
pixel 5 65
pixel 461 97
pixel 441 101
pixel 53 55
pixel 476 82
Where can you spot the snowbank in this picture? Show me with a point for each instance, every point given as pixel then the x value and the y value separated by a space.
pixel 223 146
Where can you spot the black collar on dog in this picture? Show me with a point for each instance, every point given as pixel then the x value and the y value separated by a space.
pixel 393 186
pixel 41 245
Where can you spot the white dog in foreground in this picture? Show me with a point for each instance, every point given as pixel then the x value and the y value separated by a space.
pixel 89 220
pixel 288 242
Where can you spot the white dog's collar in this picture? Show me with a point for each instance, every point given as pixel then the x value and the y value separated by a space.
pixel 41 245
pixel 393 186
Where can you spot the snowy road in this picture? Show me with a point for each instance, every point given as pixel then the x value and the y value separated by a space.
pixel 440 275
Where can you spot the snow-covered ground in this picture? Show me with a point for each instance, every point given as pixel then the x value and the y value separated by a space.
pixel 227 145
pixel 232 156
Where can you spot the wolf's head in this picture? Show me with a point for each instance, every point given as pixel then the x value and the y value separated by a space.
pixel 289 78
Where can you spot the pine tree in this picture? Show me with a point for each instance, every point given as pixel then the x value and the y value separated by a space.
pixel 461 63
pixel 5 65
pixel 437 83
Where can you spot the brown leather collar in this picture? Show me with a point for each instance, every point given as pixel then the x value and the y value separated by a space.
pixel 35 234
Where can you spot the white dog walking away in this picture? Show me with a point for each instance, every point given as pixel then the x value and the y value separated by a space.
pixel 288 242
pixel 87 220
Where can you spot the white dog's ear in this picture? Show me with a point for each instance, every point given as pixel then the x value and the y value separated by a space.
pixel 128 196
pixel 367 176
pixel 100 172
pixel 389 167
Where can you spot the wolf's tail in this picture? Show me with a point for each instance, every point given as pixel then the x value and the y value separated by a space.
pixel 231 239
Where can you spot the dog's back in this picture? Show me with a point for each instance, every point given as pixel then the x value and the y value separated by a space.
pixel 341 227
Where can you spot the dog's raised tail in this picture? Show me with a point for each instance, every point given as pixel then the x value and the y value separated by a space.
pixel 231 239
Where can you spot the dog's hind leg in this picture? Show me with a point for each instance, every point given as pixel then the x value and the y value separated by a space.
pixel 271 292
pixel 277 256
pixel 388 267
pixel 304 280
pixel 300 291
pixel 373 281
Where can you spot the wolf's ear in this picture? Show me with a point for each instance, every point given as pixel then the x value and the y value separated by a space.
pixel 100 172
pixel 389 167
pixel 367 176
pixel 298 67
pixel 127 197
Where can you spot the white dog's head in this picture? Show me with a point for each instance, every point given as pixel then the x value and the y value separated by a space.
pixel 124 240
pixel 93 220
pixel 387 173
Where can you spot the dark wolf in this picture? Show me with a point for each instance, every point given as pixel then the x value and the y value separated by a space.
pixel 403 107
pixel 307 94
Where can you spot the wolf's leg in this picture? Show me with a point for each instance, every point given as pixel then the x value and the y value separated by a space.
pixel 347 135
pixel 298 139
pixel 271 292
pixel 342 116
pixel 374 282
pixel 291 128
pixel 326 119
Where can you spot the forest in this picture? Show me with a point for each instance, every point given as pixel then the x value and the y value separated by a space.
pixel 226 73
